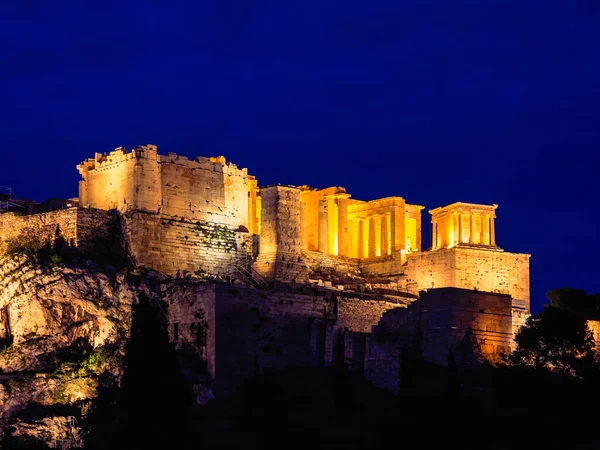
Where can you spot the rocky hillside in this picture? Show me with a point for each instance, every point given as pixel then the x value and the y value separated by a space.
pixel 63 329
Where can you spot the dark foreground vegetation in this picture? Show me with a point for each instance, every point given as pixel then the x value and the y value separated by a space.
pixel 544 396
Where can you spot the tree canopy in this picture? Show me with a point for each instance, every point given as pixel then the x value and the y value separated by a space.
pixel 558 337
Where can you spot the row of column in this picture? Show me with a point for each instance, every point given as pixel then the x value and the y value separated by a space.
pixel 375 235
pixel 333 229
pixel 486 229
pixel 372 235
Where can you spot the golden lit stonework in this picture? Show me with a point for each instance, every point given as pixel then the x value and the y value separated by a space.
pixel 295 229
pixel 463 223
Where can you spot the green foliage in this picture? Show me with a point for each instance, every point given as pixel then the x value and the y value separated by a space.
pixel 556 338
pixel 95 362
pixel 37 249
pixel 218 236
pixel 29 244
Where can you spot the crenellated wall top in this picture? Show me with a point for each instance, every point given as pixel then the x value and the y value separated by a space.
pixel 149 152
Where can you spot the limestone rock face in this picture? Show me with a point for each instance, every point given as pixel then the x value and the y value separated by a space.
pixel 60 329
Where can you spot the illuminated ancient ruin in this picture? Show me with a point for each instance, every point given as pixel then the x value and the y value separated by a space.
pixel 315 267
pixel 381 237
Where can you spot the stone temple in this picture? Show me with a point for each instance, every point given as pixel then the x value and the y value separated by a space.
pixel 293 275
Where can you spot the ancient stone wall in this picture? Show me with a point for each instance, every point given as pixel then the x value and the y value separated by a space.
pixel 191 312
pixel 359 315
pixel 475 326
pixel 354 350
pixel 206 189
pixel 249 331
pixel 388 266
pixel 76 226
pixel 171 244
pixel 470 268
pixel 109 183
pixel 258 330
pixel 391 336
pixel 279 248
pixel 446 314
pixel 520 314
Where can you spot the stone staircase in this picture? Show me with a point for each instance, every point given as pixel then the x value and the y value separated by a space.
pixel 243 272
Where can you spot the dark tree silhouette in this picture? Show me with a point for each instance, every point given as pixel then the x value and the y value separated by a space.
pixel 556 338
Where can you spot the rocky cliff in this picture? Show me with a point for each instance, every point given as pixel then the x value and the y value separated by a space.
pixel 63 329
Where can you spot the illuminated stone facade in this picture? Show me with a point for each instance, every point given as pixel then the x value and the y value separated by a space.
pixel 299 228
pixel 208 189
pixel 346 261
pixel 335 224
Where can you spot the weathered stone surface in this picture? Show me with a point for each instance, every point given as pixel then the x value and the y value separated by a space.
pixel 206 189
pixel 475 326
pixel 76 226
pixel 49 312
pixel 470 268
pixel 171 244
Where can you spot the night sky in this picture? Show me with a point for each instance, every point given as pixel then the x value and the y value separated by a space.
pixel 435 101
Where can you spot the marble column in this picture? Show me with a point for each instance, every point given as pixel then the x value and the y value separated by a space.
pixel 470 228
pixel 481 229
pixel 351 238
pixel 342 203
pixel 384 235
pixel 303 227
pixel 323 227
pixel 492 232
pixel 397 228
pixel 360 241
pixel 372 237
pixel 459 215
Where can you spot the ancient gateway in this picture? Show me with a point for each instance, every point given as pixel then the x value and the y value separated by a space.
pixel 294 275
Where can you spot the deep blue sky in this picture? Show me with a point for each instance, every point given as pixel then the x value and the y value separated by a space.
pixel 435 101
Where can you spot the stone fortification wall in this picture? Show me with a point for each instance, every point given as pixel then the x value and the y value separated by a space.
pixel 76 226
pixel 475 326
pixel 280 249
pixel 260 330
pixel 446 314
pixel 383 356
pixel 470 268
pixel 359 315
pixel 387 266
pixel 520 314
pixel 356 318
pixel 191 312
pixel 46 226
pixel 244 331
pixel 393 335
pixel 206 189
pixel 170 244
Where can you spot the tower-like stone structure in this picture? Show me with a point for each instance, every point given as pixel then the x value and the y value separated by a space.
pixel 464 255
pixel 203 188
pixel 280 253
